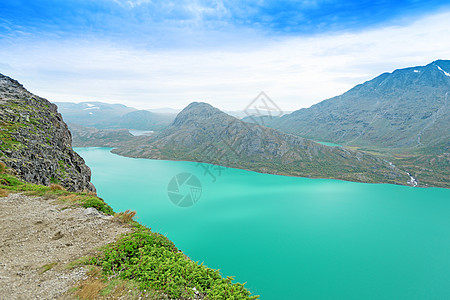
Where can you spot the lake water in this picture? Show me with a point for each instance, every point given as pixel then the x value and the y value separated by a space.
pixel 292 238
pixel 137 132
pixel 329 144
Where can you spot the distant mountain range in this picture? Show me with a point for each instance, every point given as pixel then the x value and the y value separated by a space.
pixel 102 115
pixel 114 116
pixel 205 134
pixel 408 108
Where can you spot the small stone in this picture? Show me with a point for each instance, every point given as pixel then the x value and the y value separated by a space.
pixel 91 212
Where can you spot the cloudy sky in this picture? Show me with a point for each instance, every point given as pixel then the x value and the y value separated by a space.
pixel 155 53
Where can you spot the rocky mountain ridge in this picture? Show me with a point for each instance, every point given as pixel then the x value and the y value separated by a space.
pixel 203 133
pixel 35 141
pixel 408 108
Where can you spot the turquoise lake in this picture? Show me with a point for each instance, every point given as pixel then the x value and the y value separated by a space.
pixel 329 144
pixel 288 237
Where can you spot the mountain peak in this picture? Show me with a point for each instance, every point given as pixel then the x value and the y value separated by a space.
pixel 443 66
pixel 196 111
pixel 198 105
pixel 440 61
pixel 403 109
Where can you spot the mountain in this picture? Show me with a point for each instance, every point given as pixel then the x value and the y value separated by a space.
pixel 142 120
pixel 92 114
pixel 93 137
pixel 112 116
pixel 408 108
pixel 249 115
pixel 205 134
pixel 35 142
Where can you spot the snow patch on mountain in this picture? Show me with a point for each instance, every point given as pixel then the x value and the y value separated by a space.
pixel 445 73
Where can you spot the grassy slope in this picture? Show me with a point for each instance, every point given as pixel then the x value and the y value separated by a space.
pixel 142 259
pixel 429 168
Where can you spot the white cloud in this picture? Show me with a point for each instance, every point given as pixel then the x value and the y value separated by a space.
pixel 131 3
pixel 295 72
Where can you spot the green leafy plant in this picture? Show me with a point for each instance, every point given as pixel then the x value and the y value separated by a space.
pixel 154 262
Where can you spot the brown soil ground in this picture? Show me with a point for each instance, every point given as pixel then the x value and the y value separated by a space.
pixel 39 238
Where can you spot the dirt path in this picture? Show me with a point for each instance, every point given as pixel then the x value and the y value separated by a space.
pixel 36 234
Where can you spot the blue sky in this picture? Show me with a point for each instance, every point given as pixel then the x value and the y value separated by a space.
pixel 194 23
pixel 164 53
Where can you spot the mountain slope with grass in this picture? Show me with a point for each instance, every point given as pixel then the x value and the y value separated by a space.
pixel 205 134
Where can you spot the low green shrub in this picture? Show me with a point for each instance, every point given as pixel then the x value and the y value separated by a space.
pixel 97 203
pixel 11 183
pixel 155 263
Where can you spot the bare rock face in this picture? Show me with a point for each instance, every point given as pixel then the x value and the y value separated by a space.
pixel 35 141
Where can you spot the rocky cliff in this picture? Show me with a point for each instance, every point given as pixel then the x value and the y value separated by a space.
pixel 35 141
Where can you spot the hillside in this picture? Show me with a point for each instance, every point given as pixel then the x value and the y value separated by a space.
pixel 205 134
pixel 408 108
pixel 35 142
pixel 142 120
pixel 93 137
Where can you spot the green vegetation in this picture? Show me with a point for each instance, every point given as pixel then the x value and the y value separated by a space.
pixel 54 180
pixel 62 170
pixel 154 262
pixel 8 142
pixel 143 261
pixel 430 170
pixel 85 199
pixel 47 267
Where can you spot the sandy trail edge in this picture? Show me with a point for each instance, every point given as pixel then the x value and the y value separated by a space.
pixel 35 232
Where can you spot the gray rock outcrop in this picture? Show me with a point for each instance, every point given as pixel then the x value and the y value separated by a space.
pixel 35 141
